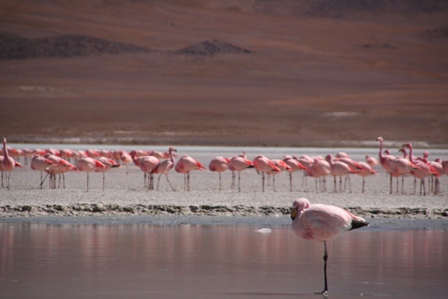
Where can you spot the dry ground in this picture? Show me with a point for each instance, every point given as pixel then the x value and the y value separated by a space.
pixel 317 73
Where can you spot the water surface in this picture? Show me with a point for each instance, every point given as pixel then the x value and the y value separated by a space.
pixel 215 261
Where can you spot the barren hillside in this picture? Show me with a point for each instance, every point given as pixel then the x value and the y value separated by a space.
pixel 289 73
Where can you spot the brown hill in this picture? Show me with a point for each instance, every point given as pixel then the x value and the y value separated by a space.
pixel 61 46
pixel 293 73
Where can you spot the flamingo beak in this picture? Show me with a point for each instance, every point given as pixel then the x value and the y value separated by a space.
pixel 294 212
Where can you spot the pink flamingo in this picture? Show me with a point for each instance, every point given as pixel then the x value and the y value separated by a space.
pixel 7 164
pixel 421 169
pixel 108 165
pixel 282 166
pixel 341 169
pixel 164 166
pixel 160 155
pixel 88 165
pixel 445 166
pixel 366 171
pixel 306 161
pixel 294 165
pixel 66 154
pixel 185 165
pixel 438 172
pixel 322 223
pixel 219 164
pixel 319 169
pixel 59 166
pixel 41 164
pixel 147 165
pixel 126 159
pixel 263 165
pixel 372 161
pixel 385 161
pixel 238 164
pixel 401 166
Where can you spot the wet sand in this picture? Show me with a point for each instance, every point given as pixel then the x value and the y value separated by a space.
pixel 125 195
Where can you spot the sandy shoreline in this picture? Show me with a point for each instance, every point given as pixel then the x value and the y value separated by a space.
pixel 124 194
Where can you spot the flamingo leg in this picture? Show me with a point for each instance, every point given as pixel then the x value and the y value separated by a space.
pixel 239 188
pixel 325 291
pixel 363 184
pixel 219 181
pixel 290 182
pixel 262 181
pixel 87 181
pixel 188 181
pixel 104 178
pixel 166 175
pixel 9 179
pixel 42 181
pixel 232 185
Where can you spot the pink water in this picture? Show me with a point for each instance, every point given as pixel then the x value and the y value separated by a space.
pixel 216 261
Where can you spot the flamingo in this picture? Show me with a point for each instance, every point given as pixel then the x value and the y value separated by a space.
pixel 319 169
pixel 88 164
pixel 126 159
pixel 164 166
pixel 59 166
pixel 185 165
pixel 421 170
pixel 322 223
pixel 108 165
pixel 41 164
pixel 438 172
pixel 66 154
pixel 146 164
pixel 219 164
pixel 385 161
pixel 263 164
pixel 402 166
pixel 295 165
pixel 281 165
pixel 372 161
pixel 7 164
pixel 238 164
pixel 306 161
pixel 366 171
pixel 341 169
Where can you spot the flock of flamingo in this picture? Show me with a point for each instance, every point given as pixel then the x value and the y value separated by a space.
pixel 56 162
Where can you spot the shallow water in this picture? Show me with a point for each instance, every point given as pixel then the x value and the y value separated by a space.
pixel 215 261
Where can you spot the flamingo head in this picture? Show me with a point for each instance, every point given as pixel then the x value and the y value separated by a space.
pixel 298 205
pixel 407 145
pixel 380 139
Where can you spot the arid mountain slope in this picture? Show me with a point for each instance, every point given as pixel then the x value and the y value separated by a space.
pixel 290 73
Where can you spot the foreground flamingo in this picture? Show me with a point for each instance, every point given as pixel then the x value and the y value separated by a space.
pixel 322 223
pixel 164 166
pixel 185 165
pixel 219 164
